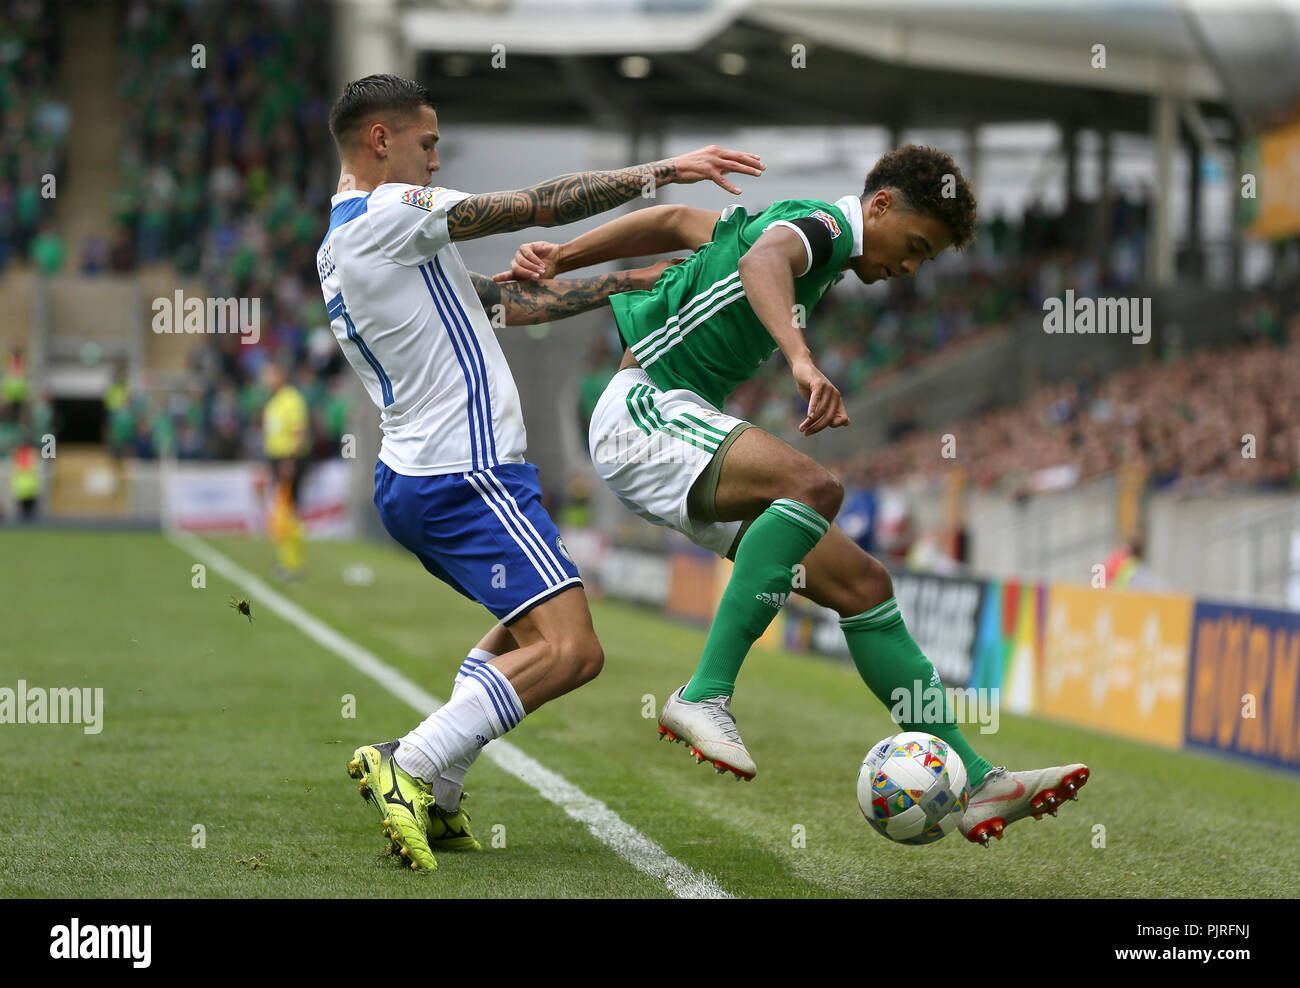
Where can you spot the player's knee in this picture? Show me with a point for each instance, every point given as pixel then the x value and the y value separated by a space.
pixel 583 657
pixel 823 492
pixel 868 587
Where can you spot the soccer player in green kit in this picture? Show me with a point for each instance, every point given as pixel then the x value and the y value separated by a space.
pixel 660 442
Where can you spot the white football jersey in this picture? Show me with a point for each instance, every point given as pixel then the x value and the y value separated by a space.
pixel 405 312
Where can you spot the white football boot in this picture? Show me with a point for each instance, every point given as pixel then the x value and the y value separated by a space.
pixel 708 729
pixel 1005 797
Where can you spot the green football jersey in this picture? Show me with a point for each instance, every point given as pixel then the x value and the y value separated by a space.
pixel 695 329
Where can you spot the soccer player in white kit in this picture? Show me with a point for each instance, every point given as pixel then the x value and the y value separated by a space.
pixel 451 484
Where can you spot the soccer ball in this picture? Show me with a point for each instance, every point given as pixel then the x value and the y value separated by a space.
pixel 912 788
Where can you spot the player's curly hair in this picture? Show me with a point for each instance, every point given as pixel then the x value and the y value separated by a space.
pixel 374 94
pixel 917 176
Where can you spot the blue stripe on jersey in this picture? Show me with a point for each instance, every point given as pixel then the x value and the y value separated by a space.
pixel 335 308
pixel 466 334
pixel 469 384
pixel 469 331
pixel 344 212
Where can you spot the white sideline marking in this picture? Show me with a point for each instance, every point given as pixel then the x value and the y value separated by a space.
pixel 605 825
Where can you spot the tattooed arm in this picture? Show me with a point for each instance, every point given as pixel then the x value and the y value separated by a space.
pixel 574 197
pixel 526 302
pixel 653 230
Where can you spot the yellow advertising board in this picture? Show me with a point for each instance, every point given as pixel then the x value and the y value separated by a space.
pixel 1116 661
pixel 1275 159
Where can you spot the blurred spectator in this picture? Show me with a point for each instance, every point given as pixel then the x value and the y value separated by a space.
pixel 94 254
pixel 47 250
pixel 14 386
pixel 25 481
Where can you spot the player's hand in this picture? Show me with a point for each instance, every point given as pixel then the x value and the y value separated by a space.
pixel 714 163
pixel 532 262
pixel 647 276
pixel 825 404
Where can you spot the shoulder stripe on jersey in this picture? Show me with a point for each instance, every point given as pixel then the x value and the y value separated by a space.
pixel 680 331
pixel 477 399
pixel 344 212
pixel 335 308
pixel 548 554
pixel 478 351
pixel 476 480
pixel 469 384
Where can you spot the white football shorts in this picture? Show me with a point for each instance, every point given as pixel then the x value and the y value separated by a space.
pixel 649 447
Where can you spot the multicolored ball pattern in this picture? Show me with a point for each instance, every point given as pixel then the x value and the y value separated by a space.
pixel 912 788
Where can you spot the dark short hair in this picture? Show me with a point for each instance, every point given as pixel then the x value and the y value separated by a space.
pixel 916 174
pixel 375 94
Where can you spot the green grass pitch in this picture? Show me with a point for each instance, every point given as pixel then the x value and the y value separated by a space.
pixel 238 728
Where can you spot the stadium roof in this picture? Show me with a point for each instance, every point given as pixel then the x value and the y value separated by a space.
pixel 923 64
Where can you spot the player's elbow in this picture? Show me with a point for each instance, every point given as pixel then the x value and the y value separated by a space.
pixel 758 260
pixel 680 221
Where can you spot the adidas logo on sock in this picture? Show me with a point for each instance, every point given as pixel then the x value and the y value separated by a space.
pixel 776 600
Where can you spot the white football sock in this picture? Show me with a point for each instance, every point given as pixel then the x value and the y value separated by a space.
pixel 485 707
pixel 447 788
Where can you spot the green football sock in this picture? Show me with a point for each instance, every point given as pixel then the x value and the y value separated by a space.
pixel 889 661
pixel 760 583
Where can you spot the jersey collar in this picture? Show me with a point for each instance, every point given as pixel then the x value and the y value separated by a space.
pixel 339 197
pixel 851 206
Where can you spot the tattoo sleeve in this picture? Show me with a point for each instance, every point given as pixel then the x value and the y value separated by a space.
pixel 561 200
pixel 526 302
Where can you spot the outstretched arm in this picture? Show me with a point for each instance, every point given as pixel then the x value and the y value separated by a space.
pixel 524 303
pixel 574 197
pixel 767 272
pixel 654 230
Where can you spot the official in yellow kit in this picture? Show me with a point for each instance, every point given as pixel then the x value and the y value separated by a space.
pixel 285 438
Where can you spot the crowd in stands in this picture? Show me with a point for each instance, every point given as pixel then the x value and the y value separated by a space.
pixel 219 415
pixel 1215 420
pixel 34 127
pixel 226 171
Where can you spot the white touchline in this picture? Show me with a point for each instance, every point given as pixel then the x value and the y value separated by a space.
pixel 605 825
